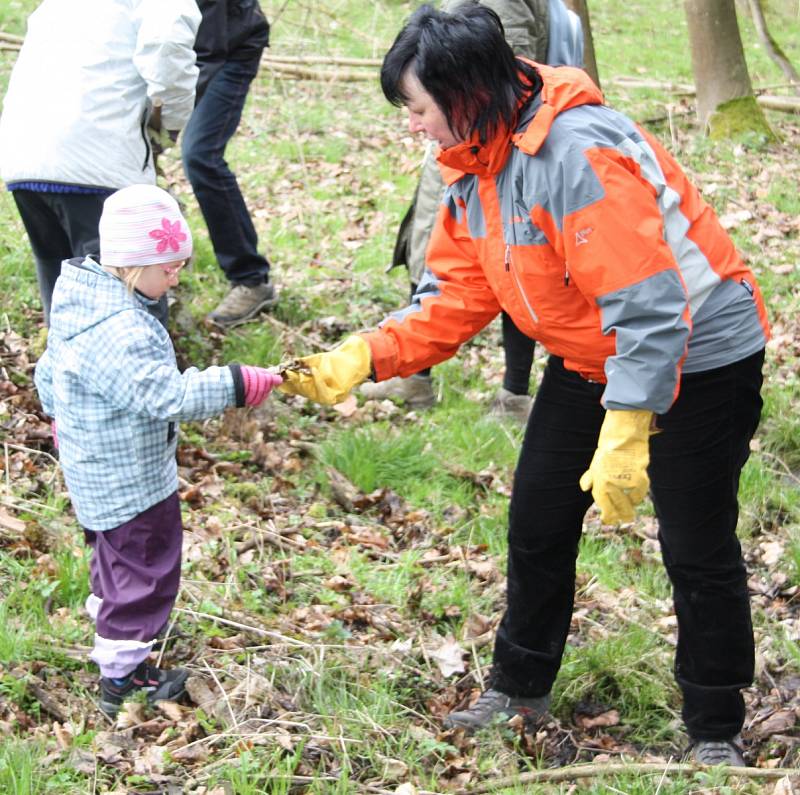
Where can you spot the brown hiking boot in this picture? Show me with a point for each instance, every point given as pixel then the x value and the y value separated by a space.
pixel 508 406
pixel 415 392
pixel 242 303
pixel 717 752
pixel 493 705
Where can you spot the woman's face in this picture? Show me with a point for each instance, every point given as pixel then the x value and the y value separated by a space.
pixel 424 115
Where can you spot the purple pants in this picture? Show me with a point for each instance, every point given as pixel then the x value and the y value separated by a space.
pixel 135 570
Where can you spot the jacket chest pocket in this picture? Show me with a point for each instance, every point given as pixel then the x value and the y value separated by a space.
pixel 542 281
pixel 513 274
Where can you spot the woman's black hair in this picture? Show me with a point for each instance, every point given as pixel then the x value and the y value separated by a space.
pixel 463 61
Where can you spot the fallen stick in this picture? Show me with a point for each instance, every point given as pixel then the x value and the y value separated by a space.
pixel 574 772
pixel 323 75
pixel 47 703
pixel 773 102
pixel 637 82
pixel 247 628
pixel 321 59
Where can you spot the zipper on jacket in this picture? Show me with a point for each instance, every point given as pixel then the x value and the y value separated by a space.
pixel 510 269
pixel 566 277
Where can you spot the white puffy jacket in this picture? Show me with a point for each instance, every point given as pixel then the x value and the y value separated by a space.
pixel 83 85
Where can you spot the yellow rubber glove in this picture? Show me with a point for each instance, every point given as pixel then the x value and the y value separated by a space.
pixel 617 475
pixel 330 375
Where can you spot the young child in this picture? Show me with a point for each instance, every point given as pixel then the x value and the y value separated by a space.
pixel 109 380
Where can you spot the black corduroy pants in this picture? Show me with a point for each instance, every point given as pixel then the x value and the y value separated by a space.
pixel 696 461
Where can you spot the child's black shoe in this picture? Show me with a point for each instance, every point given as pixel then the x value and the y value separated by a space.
pixel 159 685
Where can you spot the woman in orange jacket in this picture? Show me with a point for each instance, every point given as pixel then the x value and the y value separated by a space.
pixel 569 217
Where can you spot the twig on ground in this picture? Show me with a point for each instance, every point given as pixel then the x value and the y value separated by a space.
pixel 322 75
pixel 30 450
pixel 256 630
pixel 47 703
pixel 784 466
pixel 785 104
pixel 224 694
pixel 575 772
pixel 331 60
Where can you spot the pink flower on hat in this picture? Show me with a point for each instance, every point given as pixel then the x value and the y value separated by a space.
pixel 170 235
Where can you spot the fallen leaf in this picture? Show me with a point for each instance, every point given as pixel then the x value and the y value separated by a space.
pixel 150 760
pixel 732 220
pixel 777 723
pixel 190 754
pixel 610 718
pixel 229 643
pixel 63 735
pixel 172 710
pixel 347 407
pixel 11 523
pixel 771 552
pixel 83 761
pixel 131 714
pixel 449 657
pixel 393 769
pixel 338 583
pixel 200 693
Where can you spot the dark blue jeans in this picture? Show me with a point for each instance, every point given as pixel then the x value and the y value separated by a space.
pixel 212 124
pixel 695 466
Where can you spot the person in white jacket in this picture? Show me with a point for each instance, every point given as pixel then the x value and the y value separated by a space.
pixel 89 79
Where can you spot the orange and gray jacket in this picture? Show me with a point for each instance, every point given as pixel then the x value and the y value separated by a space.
pixel 586 231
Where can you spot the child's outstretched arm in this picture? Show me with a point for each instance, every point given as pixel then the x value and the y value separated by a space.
pixel 144 379
pixel 257 383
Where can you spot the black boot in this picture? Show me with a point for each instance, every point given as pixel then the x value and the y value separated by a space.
pixel 159 685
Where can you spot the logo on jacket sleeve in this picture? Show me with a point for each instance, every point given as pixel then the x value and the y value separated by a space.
pixel 582 235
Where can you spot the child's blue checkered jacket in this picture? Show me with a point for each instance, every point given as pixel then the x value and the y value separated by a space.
pixel 110 380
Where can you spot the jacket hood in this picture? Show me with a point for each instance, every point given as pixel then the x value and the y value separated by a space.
pixel 86 295
pixel 563 88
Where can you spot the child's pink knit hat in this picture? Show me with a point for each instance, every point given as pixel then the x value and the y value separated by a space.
pixel 142 225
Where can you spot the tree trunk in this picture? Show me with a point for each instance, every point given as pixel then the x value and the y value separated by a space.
pixel 725 102
pixel 771 46
pixel 581 8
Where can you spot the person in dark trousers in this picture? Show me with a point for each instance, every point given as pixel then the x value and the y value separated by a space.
pixel 231 39
pixel 74 126
pixel 580 225
pixel 545 31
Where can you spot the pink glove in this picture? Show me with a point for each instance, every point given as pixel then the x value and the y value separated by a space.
pixel 55 433
pixel 258 383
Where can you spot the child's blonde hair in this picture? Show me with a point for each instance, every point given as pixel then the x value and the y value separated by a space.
pixel 130 276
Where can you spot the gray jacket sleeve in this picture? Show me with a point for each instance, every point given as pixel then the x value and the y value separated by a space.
pixel 652 335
